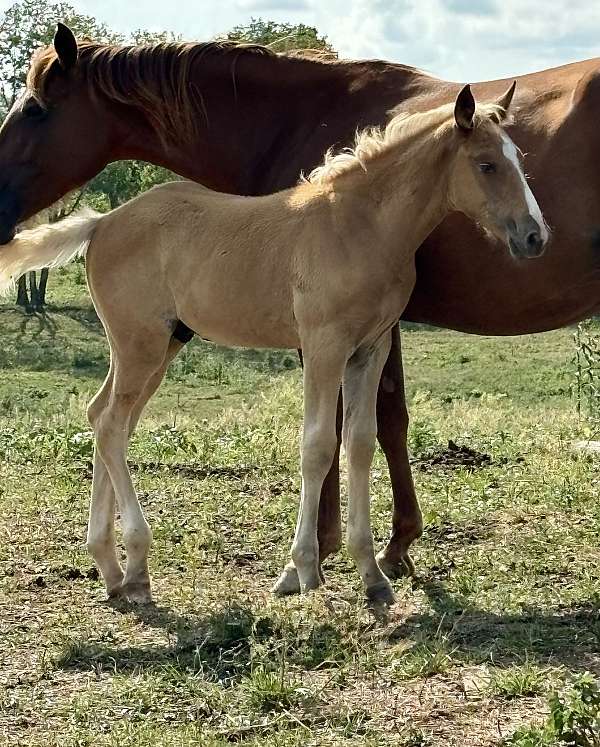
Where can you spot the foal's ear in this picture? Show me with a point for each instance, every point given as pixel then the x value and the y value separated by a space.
pixel 464 109
pixel 505 101
pixel 65 45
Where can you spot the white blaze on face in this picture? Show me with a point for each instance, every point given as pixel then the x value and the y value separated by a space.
pixel 510 152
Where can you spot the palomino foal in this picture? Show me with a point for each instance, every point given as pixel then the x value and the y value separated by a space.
pixel 327 266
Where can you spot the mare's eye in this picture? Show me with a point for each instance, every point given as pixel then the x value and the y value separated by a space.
pixel 33 110
pixel 487 168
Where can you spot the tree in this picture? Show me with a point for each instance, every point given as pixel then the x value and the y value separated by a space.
pixel 281 37
pixel 141 36
pixel 121 181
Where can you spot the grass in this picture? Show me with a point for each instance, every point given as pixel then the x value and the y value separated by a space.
pixel 522 680
pixel 506 606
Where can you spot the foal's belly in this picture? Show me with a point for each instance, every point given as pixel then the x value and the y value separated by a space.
pixel 240 318
pixel 241 334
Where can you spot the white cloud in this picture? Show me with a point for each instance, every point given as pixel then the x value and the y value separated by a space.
pixel 268 5
pixel 455 39
pixel 463 40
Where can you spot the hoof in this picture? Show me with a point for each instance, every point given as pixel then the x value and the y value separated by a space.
pixel 312 582
pixel 381 593
pixel 395 569
pixel 134 593
pixel 114 592
pixel 113 587
pixel 288 583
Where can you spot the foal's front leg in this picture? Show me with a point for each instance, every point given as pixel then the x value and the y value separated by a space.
pixel 361 380
pixel 392 431
pixel 323 371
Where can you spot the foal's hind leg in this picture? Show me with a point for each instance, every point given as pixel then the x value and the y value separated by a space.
pixel 101 541
pixel 361 380
pixel 133 370
pixel 101 525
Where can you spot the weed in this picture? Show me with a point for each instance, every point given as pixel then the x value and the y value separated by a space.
pixel 586 385
pixel 425 659
pixel 520 681
pixel 574 718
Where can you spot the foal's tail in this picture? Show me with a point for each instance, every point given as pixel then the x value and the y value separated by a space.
pixel 51 245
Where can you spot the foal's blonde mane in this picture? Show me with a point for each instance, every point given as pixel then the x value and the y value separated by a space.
pixel 400 130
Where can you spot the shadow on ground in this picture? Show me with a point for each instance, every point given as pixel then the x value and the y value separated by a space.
pixel 568 636
pixel 218 645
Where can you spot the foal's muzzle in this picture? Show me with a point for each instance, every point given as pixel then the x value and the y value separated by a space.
pixel 526 240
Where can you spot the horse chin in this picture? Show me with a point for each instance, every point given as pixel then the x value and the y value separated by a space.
pixel 517 252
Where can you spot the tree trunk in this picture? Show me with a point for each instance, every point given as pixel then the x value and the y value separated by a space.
pixel 42 286
pixel 34 293
pixel 22 295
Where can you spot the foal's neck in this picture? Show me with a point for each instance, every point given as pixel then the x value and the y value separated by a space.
pixel 406 197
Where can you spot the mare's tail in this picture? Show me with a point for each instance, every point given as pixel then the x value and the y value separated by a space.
pixel 51 245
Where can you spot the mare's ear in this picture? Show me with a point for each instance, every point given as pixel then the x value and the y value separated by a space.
pixel 464 109
pixel 505 101
pixel 65 45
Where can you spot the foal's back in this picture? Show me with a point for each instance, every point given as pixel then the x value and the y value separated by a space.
pixel 221 258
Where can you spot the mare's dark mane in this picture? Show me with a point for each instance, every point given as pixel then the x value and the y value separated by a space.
pixel 165 80
pixel 156 78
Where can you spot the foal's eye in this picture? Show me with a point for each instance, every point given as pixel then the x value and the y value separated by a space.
pixel 33 110
pixel 487 168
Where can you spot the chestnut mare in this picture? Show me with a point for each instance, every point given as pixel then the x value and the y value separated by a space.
pixel 327 266
pixel 247 121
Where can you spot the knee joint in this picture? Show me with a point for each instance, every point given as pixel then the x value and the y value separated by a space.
pixel 96 545
pixel 94 411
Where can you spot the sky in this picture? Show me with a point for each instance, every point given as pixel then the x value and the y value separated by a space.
pixel 462 40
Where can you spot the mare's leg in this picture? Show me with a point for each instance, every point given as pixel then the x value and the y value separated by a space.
pixel 392 428
pixel 361 380
pixel 134 367
pixel 101 539
pixel 322 376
